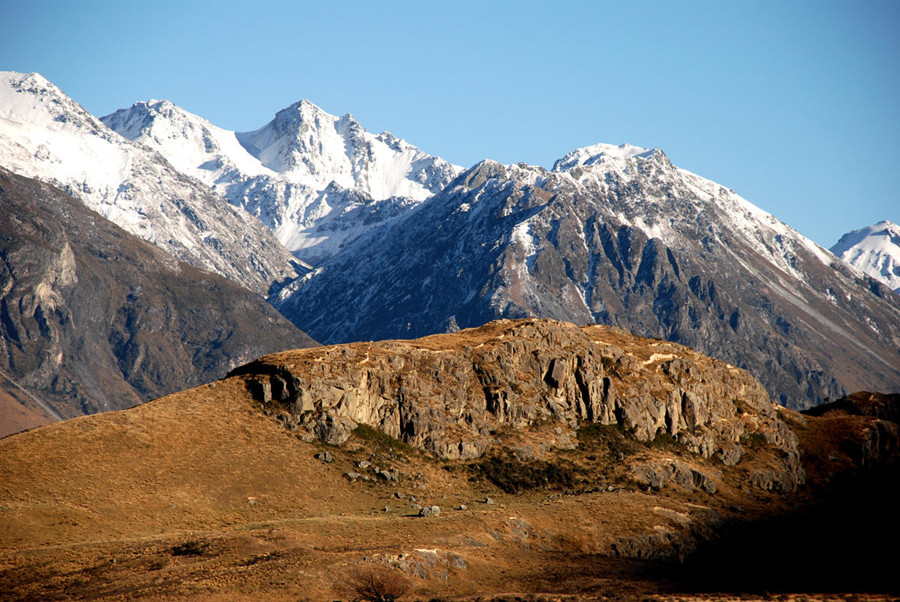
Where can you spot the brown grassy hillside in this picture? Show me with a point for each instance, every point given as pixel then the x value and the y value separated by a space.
pixel 202 495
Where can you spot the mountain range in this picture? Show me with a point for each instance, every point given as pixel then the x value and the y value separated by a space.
pixel 314 179
pixel 614 235
pixel 149 251
pixel 356 236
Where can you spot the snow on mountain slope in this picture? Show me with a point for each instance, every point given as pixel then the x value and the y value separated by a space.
pixel 191 144
pixel 315 179
pixel 614 235
pixel 608 168
pixel 44 134
pixel 874 250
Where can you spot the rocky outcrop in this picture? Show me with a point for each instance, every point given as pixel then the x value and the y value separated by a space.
pixel 451 394
pixel 657 475
pixel 94 319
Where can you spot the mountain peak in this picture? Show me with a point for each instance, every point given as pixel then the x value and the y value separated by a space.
pixel 47 135
pixel 603 153
pixel 141 118
pixel 30 98
pixel 34 79
pixel 295 171
pixel 875 250
pixel 309 146
pixel 290 119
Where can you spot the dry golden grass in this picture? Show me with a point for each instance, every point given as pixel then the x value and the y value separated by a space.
pixel 17 413
pixel 201 496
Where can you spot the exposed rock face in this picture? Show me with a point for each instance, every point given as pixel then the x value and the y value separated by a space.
pixel 450 394
pixel 94 319
pixel 622 237
pixel 659 474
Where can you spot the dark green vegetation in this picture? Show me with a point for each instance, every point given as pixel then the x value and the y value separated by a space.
pixel 608 438
pixel 378 441
pixel 514 476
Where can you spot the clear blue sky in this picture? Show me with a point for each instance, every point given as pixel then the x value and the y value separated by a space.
pixel 794 105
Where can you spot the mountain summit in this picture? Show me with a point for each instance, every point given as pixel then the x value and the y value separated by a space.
pixel 315 179
pixel 875 250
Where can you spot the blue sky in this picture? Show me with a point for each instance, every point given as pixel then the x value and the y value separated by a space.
pixel 794 105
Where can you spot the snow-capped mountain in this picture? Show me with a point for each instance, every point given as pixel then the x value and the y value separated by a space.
pixel 406 244
pixel 315 179
pixel 615 235
pixel 875 250
pixel 46 135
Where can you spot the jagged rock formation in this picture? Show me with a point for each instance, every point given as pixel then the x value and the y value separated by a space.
pixel 620 236
pixel 450 394
pixel 44 134
pixel 94 319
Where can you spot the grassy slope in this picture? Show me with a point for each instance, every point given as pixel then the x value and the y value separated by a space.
pixel 199 495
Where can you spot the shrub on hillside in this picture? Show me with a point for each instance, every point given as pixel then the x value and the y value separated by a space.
pixel 377 584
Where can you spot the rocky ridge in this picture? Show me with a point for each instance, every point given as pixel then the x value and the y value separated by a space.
pixel 452 395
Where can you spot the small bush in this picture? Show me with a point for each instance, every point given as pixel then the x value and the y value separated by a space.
pixel 191 548
pixel 610 437
pixel 754 441
pixel 377 584
pixel 665 441
pixel 381 440
pixel 513 476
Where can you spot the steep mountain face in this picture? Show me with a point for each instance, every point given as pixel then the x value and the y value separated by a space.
pixel 46 135
pixel 620 236
pixel 93 318
pixel 315 179
pixel 874 250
